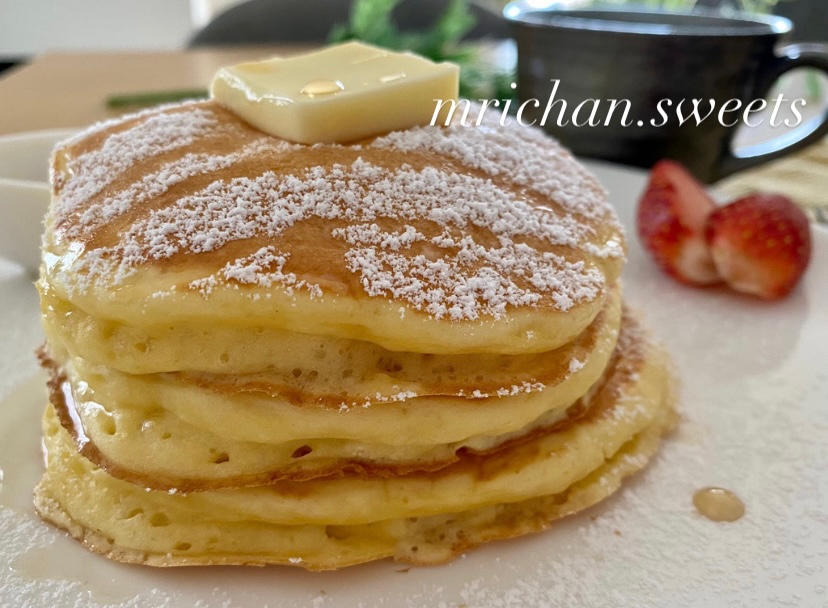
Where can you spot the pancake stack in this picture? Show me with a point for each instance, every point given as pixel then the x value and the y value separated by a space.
pixel 269 353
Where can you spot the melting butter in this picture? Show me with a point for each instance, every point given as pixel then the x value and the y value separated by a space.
pixel 342 93
pixel 322 87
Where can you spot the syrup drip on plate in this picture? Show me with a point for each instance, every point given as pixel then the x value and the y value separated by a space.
pixel 718 504
pixel 21 462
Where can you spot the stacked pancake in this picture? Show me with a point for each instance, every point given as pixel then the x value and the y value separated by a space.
pixel 265 352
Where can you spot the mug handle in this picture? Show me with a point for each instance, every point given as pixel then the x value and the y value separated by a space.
pixel 789 57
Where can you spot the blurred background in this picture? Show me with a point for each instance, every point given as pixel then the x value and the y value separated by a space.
pixel 28 27
pixel 40 42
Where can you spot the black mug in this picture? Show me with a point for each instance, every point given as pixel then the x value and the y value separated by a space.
pixel 654 64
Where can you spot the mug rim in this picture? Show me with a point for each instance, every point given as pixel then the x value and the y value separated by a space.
pixel 523 12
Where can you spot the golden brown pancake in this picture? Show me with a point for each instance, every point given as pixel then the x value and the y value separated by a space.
pixel 192 432
pixel 434 240
pixel 423 517
pixel 270 353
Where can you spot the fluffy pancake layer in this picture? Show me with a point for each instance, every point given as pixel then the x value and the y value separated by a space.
pixel 423 517
pixel 352 366
pixel 433 240
pixel 192 432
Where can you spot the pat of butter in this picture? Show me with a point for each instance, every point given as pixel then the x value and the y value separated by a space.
pixel 342 93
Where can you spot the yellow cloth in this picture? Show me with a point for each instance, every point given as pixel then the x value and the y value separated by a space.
pixel 802 176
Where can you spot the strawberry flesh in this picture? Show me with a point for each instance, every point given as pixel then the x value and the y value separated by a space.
pixel 761 244
pixel 671 219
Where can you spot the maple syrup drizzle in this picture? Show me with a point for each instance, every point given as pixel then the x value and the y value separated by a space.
pixel 718 504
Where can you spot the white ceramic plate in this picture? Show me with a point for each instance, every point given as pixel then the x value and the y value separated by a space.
pixel 755 409
pixel 24 192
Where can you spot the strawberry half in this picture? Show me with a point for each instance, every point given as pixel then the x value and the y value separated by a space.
pixel 671 219
pixel 761 244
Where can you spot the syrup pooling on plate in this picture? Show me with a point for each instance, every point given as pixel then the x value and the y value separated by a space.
pixel 41 566
pixel 20 453
pixel 718 504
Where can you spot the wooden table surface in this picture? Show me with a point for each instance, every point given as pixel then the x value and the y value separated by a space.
pixel 57 90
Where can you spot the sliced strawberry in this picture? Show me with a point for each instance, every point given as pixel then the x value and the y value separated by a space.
pixel 761 244
pixel 671 217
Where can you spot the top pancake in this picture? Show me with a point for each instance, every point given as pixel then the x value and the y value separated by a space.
pixel 438 240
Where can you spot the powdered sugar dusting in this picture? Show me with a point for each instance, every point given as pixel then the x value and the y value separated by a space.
pixel 463 247
pixel 463 280
pixel 524 387
pixel 264 268
pixel 159 133
pixel 754 422
pixel 525 156
pixel 159 182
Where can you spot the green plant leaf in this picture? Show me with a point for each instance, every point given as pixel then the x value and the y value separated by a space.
pixel 372 18
pixel 340 32
pixel 455 23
